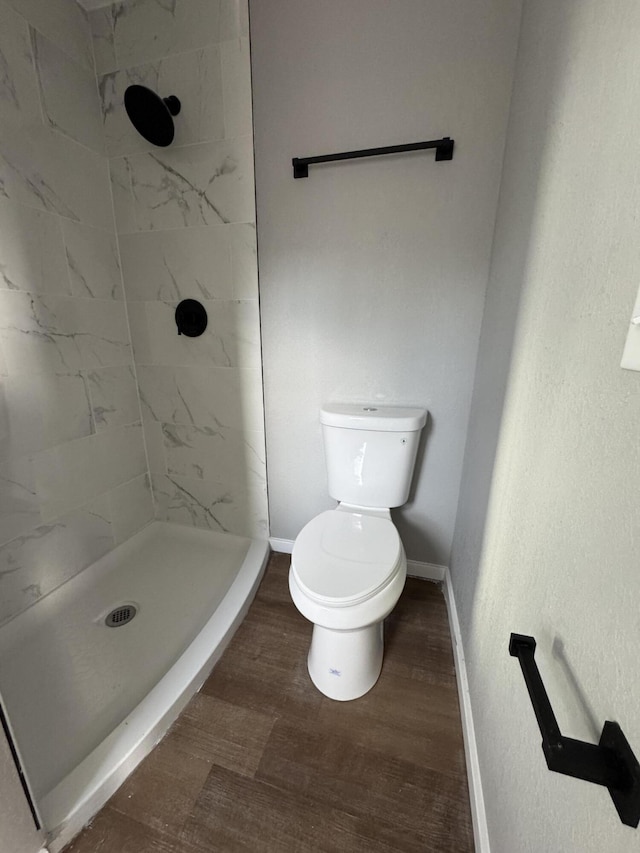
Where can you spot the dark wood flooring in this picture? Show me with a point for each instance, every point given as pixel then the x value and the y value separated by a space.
pixel 261 761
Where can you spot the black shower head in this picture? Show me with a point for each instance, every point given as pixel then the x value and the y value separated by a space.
pixel 151 115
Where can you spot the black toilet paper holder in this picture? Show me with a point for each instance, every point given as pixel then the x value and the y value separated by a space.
pixel 611 762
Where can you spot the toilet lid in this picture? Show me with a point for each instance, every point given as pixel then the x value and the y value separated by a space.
pixel 341 558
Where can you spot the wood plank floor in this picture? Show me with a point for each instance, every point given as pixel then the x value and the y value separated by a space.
pixel 261 761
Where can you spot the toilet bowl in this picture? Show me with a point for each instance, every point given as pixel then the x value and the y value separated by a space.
pixel 348 566
pixel 348 570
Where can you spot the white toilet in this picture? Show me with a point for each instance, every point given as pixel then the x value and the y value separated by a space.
pixel 348 565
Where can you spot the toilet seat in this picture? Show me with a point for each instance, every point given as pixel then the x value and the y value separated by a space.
pixel 342 558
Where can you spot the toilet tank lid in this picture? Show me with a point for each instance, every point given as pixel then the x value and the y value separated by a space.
pixel 373 417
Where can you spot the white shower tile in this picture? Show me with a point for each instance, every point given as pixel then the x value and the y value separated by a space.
pixel 114 396
pixel 131 508
pixel 19 506
pixel 244 261
pixel 210 505
pixel 40 411
pixel 122 196
pixel 67 94
pixel 66 24
pixel 43 169
pixel 100 332
pixel 192 263
pixel 205 184
pixel 154 440
pixel 59 334
pixel 37 562
pixel 239 328
pixel 92 257
pixel 147 29
pixel 139 332
pixel 234 457
pixel 102 22
pixel 236 86
pixel 156 340
pixel 73 473
pixel 123 455
pixel 99 329
pixel 221 397
pixel 32 335
pixel 67 476
pixel 231 339
pixel 32 254
pixel 18 90
pixel 193 77
pixel 234 19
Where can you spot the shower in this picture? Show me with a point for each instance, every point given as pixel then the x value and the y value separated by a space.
pixel 97 222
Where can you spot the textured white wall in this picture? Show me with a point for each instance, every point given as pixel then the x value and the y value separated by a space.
pixel 373 272
pixel 547 532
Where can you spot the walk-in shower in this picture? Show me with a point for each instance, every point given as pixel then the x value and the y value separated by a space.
pixel 133 513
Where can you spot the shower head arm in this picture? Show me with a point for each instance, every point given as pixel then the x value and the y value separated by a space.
pixel 172 104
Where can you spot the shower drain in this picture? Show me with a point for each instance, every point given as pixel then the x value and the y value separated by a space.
pixel 121 615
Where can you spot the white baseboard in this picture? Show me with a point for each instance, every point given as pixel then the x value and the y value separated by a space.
pixel 426 571
pixel 478 814
pixel 282 546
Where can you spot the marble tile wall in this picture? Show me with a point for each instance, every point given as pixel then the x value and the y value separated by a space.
pixel 185 218
pixel 74 478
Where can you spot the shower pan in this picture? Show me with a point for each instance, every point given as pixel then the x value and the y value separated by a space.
pixel 88 700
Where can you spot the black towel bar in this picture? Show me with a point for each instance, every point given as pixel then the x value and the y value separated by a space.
pixel 444 151
pixel 610 763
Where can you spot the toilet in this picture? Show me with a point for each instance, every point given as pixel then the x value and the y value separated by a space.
pixel 348 566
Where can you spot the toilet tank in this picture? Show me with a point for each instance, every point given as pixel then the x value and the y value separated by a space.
pixel 370 452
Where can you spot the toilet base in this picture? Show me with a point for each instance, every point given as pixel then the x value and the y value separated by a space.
pixel 346 664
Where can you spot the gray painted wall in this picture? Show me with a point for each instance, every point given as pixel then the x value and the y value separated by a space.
pixel 373 273
pixel 547 531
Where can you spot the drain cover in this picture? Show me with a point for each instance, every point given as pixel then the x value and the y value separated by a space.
pixel 121 615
